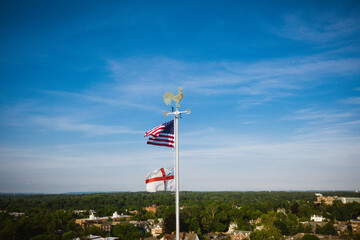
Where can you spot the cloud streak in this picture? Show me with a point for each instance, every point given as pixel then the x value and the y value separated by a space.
pixel 72 125
pixel 325 28
pixel 352 100
pixel 220 78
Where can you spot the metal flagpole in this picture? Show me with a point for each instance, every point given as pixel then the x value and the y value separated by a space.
pixel 176 122
pixel 168 97
pixel 177 113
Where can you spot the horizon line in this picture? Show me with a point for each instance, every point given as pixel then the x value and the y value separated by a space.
pixel 92 192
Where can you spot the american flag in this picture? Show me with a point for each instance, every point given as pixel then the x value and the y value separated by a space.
pixel 162 135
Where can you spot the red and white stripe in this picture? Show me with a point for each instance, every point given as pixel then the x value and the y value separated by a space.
pixel 155 131
pixel 163 139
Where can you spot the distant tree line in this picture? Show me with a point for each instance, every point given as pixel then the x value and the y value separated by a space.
pixel 53 217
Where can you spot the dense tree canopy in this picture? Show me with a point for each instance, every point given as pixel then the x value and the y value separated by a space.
pixel 310 237
pixel 52 216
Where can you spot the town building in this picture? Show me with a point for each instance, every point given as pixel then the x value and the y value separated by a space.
pixel 168 236
pixel 152 208
pixel 104 223
pixel 313 225
pixel 349 199
pixel 122 217
pixel 216 235
pixel 299 236
pixel 85 222
pixel 94 237
pixel 156 230
pixel 189 236
pixel 240 235
pixel 327 200
pixel 183 236
pixel 133 212
pixel 16 214
pixel 232 228
pixel 105 226
pixel 145 226
pixel 281 210
pixel 317 218
pixel 78 212
pixel 341 227
pixel 355 226
pixel 255 221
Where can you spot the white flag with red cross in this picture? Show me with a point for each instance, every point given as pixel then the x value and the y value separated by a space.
pixel 160 180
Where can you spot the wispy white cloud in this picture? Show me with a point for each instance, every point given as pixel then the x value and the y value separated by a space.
pixel 72 125
pixel 211 152
pixel 321 29
pixel 323 115
pixel 352 100
pixel 331 125
pixel 138 82
pixel 269 77
pixel 105 96
pixel 10 115
pixel 256 83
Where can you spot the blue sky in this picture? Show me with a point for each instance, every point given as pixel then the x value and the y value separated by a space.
pixel 273 86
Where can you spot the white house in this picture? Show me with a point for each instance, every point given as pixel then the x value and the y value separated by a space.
pixel 316 218
pixel 232 228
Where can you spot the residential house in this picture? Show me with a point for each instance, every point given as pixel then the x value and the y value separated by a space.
pixel 168 236
pixel 145 226
pixel 16 214
pixel 355 226
pixel 156 230
pixel 317 218
pixel 232 228
pixel 216 235
pixel 183 236
pixel 189 236
pixel 94 237
pixel 297 236
pixel 78 212
pixel 281 210
pixel 240 235
pixel 255 221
